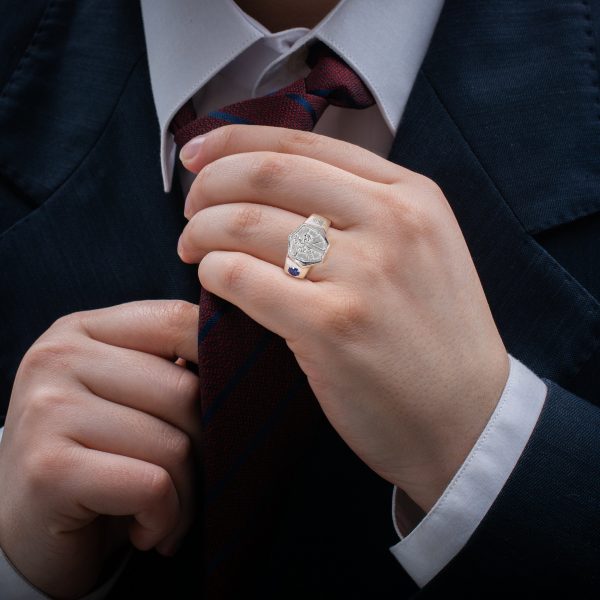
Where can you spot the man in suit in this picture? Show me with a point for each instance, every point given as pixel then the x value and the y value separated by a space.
pixel 492 139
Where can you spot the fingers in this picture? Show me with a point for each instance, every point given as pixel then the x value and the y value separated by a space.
pixel 72 455
pixel 261 231
pixel 141 381
pixel 263 291
pixel 165 328
pixel 297 184
pixel 120 430
pixel 235 139
pixel 143 407
pixel 109 484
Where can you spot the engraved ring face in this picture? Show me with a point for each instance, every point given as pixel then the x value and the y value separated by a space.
pixel 307 245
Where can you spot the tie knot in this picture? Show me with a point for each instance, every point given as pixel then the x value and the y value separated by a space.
pixel 296 106
pixel 331 78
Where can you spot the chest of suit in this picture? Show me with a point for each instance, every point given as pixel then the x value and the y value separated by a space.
pixel 503 116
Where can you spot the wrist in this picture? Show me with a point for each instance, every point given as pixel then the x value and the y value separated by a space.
pixel 444 440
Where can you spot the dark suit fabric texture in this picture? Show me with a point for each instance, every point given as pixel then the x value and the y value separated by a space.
pixel 504 116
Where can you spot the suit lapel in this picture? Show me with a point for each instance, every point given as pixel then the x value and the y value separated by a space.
pixel 94 227
pixel 64 89
pixel 520 81
pixel 486 121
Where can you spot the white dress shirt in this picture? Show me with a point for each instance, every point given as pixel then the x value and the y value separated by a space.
pixel 216 54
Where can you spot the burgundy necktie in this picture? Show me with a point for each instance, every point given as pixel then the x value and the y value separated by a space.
pixel 258 411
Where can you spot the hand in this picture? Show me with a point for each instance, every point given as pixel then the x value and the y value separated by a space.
pixel 393 329
pixel 101 422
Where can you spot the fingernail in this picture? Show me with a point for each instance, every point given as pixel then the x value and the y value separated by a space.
pixel 179 248
pixel 191 149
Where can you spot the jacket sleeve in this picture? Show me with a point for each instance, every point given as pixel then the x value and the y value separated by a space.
pixel 543 530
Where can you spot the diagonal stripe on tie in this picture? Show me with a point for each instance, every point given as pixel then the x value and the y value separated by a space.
pixel 305 104
pixel 249 361
pixel 217 114
pixel 210 322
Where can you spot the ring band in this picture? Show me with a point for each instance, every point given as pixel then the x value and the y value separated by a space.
pixel 307 246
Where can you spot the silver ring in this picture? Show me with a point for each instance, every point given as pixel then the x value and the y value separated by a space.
pixel 307 246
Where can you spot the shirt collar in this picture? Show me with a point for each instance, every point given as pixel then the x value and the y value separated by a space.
pixel 189 41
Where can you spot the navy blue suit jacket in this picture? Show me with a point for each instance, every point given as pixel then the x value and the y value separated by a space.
pixel 504 116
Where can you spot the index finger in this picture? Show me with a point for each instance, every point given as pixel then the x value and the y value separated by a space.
pixel 235 139
pixel 167 328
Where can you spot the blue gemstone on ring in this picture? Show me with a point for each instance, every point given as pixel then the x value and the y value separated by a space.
pixel 293 271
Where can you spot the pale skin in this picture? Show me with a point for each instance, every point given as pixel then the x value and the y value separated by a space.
pixel 101 422
pixel 393 331
pixel 277 15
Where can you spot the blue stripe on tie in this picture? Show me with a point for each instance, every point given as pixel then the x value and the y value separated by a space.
pixel 304 103
pixel 211 322
pixel 217 114
pixel 263 342
pixel 278 411
pixel 342 98
pixel 255 442
pixel 322 93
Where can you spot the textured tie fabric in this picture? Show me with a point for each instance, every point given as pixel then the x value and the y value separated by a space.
pixel 258 411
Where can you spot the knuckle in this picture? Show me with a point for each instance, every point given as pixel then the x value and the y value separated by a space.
pixel 45 402
pixel 389 201
pixel 47 467
pixel 267 171
pixel 70 321
pixel 247 219
pixel 52 353
pixel 294 138
pixel 234 274
pixel 346 315
pixel 412 218
pixel 428 186
pixel 417 222
pixel 224 137
pixel 157 484
pixel 176 314
pixel 179 447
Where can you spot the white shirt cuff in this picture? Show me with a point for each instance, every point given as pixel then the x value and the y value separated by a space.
pixel 15 587
pixel 443 532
